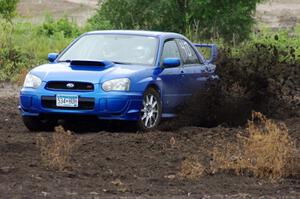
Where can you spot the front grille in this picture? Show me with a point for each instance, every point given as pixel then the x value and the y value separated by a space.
pixel 83 104
pixel 71 86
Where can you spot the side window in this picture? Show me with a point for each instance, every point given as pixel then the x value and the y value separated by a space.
pixel 170 50
pixel 188 54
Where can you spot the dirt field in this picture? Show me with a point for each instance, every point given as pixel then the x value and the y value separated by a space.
pixel 109 163
pixel 279 13
pixel 36 10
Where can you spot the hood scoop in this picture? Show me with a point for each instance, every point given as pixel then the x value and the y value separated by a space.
pixel 100 63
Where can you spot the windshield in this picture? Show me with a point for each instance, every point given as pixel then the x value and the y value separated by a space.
pixel 127 49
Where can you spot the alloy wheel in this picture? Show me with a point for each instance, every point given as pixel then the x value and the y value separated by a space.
pixel 150 111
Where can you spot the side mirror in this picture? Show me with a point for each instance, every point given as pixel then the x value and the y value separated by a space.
pixel 52 57
pixel 171 62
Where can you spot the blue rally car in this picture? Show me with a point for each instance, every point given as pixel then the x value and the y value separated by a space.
pixel 139 76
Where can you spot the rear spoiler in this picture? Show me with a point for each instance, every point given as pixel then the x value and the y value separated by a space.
pixel 213 53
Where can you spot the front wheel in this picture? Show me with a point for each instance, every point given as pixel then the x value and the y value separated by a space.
pixel 151 110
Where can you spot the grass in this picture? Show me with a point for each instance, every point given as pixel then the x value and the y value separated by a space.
pixel 191 168
pixel 25 45
pixel 267 151
pixel 21 77
pixel 56 151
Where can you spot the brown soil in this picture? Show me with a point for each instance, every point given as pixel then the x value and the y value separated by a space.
pixel 110 164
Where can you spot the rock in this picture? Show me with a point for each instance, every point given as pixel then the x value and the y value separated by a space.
pixel 45 194
pixel 117 182
pixel 171 177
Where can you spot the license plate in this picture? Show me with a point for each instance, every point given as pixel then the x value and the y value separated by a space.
pixel 67 101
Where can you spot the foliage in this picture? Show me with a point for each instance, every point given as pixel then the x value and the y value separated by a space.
pixel 17 56
pixel 229 19
pixel 8 8
pixel 51 27
pixel 98 22
pixel 11 56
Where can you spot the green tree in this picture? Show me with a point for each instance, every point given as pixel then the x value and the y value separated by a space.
pixel 229 19
pixel 8 8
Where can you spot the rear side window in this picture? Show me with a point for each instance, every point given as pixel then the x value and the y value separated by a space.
pixel 170 50
pixel 187 52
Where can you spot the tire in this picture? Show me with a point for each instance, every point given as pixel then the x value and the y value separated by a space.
pixel 35 124
pixel 150 114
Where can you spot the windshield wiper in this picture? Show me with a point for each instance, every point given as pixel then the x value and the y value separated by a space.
pixel 68 61
pixel 115 62
pixel 123 63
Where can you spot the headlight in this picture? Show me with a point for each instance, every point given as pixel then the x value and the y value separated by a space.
pixel 32 81
pixel 116 85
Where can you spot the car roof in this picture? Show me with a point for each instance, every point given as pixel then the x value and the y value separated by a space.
pixel 138 32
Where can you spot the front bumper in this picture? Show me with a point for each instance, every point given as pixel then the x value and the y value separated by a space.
pixel 106 105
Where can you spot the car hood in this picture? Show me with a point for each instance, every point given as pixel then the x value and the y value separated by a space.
pixel 92 74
